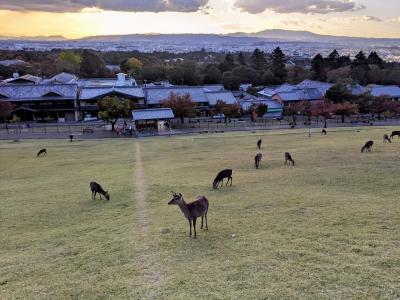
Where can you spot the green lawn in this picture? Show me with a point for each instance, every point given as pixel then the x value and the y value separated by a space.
pixel 328 228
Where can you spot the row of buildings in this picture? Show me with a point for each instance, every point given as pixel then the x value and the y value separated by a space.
pixel 66 98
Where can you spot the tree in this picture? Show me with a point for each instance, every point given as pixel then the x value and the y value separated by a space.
pixel 182 105
pixel 247 74
pixel 212 76
pixel 231 81
pixel 258 60
pixel 228 64
pixel 332 60
pixel 153 73
pixel 69 61
pixel 241 59
pixel 380 105
pixel 322 109
pixel 184 74
pixel 113 108
pixel 229 110
pixel 360 59
pixel 374 59
pixel 269 78
pixel 339 93
pixel 279 64
pixel 261 109
pixel 92 65
pixel 344 109
pixel 132 66
pixel 318 68
pixel 5 110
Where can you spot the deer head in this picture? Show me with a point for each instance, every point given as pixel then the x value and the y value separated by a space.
pixel 107 195
pixel 176 199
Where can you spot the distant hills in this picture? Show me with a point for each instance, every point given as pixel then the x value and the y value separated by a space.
pixel 265 35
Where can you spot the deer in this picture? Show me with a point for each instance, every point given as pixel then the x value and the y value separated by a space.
pixel 386 139
pixel 192 211
pixel 259 142
pixel 367 147
pixel 257 160
pixel 220 178
pixel 394 133
pixel 97 189
pixel 42 152
pixel 288 159
pixel 324 132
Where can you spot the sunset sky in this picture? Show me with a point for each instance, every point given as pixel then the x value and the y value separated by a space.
pixel 77 18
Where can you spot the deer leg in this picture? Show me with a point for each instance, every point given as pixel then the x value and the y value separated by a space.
pixel 92 195
pixel 202 217
pixel 231 181
pixel 194 227
pixel 190 226
pixel 205 216
pixel 100 196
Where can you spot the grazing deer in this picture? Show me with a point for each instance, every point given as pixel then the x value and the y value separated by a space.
pixel 394 133
pixel 386 138
pixel 220 178
pixel 259 142
pixel 324 132
pixel 41 152
pixel 367 147
pixel 97 189
pixel 288 159
pixel 192 211
pixel 257 160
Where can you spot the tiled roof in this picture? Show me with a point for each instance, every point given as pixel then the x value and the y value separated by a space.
pixel 26 78
pixel 96 92
pixel 301 95
pixel 322 87
pixel 152 114
pixel 388 90
pixel 213 87
pixel 38 92
pixel 156 95
pixel 63 78
pixel 227 97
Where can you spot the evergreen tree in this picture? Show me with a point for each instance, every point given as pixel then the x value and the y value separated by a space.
pixel 241 59
pixel 332 60
pixel 92 65
pixel 258 60
pixel 374 59
pixel 279 64
pixel 318 68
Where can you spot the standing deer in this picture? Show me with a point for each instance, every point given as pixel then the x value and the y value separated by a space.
pixel 324 132
pixel 41 153
pixel 192 211
pixel 259 142
pixel 394 133
pixel 97 189
pixel 257 160
pixel 386 138
pixel 220 178
pixel 367 147
pixel 288 159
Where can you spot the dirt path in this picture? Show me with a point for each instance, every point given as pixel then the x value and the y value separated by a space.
pixel 148 258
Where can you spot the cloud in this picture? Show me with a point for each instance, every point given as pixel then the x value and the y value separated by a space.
pixel 371 19
pixel 115 5
pixel 297 6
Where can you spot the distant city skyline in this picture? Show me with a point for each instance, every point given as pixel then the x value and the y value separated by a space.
pixel 79 18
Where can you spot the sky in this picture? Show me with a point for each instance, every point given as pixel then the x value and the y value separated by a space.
pixel 79 18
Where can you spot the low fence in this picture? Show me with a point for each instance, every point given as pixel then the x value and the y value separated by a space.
pixel 44 129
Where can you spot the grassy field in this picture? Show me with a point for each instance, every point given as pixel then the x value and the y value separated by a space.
pixel 328 228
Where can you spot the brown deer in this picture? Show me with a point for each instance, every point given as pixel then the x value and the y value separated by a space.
pixel 97 189
pixel 220 178
pixel 41 153
pixel 367 147
pixel 288 159
pixel 386 139
pixel 394 133
pixel 324 132
pixel 257 160
pixel 192 211
pixel 259 142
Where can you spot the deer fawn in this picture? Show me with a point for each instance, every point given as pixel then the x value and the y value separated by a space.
pixel 192 211
pixel 220 178
pixel 97 189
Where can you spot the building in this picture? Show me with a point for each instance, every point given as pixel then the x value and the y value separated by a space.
pixel 298 95
pixel 150 120
pixel 391 92
pixel 33 102
pixel 91 91
pixel 275 109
